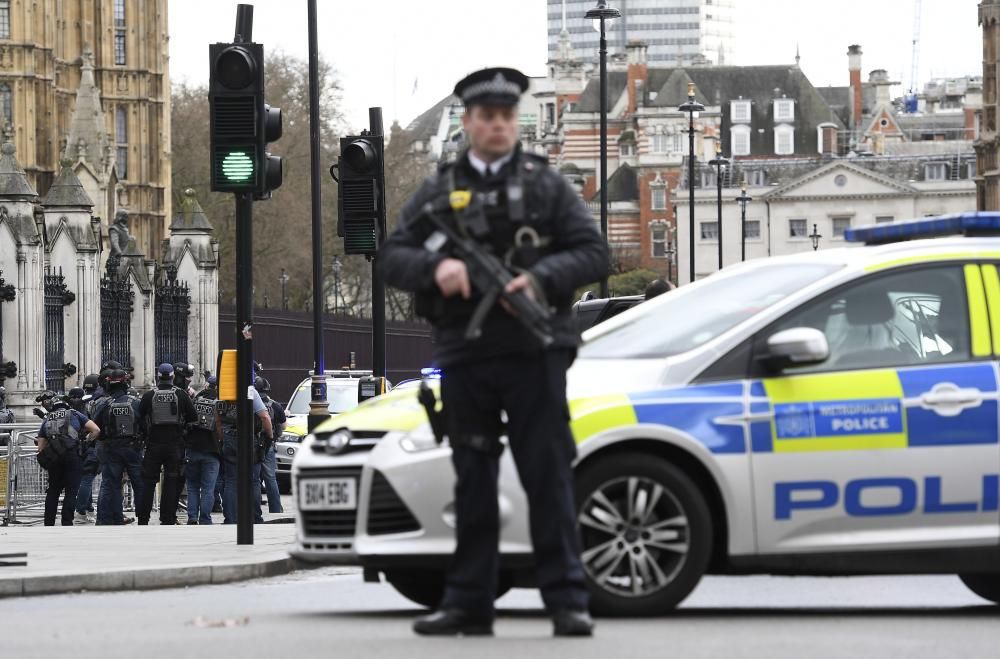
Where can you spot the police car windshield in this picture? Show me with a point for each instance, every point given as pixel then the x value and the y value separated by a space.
pixel 341 396
pixel 694 315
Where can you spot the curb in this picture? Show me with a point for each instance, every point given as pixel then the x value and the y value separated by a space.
pixel 145 579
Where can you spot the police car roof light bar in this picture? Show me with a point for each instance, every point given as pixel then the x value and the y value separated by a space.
pixel 974 223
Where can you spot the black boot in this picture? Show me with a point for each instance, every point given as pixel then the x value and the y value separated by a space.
pixel 572 623
pixel 453 622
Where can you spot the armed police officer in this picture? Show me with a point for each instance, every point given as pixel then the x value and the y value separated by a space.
pixel 202 468
pixel 495 357
pixel 59 453
pixel 82 400
pixel 120 448
pixel 269 466
pixel 164 413
pixel 226 419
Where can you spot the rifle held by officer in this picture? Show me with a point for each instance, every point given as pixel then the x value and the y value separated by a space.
pixel 487 273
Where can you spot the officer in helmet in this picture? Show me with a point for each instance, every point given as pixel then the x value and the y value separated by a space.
pixel 6 414
pixel 226 421
pixel 165 413
pixel 59 453
pixel 203 459
pixel 183 374
pixel 80 401
pixel 119 449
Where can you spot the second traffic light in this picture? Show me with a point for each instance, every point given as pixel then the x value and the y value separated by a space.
pixel 361 193
pixel 241 123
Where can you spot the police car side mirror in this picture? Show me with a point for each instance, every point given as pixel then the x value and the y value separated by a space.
pixel 798 346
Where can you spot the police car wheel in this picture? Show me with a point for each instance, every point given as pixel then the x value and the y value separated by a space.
pixel 986 586
pixel 426 587
pixel 646 532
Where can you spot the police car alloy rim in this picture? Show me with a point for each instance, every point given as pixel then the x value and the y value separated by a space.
pixel 635 536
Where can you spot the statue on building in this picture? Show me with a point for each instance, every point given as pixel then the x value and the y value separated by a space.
pixel 118 235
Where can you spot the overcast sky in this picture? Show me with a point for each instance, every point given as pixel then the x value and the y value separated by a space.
pixel 405 55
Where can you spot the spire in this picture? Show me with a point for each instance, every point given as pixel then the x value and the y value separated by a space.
pixel 88 140
pixel 190 217
pixel 13 181
pixel 66 190
pixel 798 57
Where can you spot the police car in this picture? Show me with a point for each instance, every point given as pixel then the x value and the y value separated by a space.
pixel 827 413
pixel 341 396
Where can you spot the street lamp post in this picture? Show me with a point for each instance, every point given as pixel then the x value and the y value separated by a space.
pixel 815 236
pixel 692 107
pixel 600 14
pixel 719 162
pixel 337 265
pixel 743 200
pixel 284 283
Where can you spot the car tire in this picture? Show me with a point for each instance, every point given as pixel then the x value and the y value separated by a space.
pixel 426 587
pixel 986 586
pixel 646 531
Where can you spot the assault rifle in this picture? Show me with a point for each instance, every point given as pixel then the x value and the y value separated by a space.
pixel 487 273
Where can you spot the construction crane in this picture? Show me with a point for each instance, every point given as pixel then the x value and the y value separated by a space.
pixel 911 97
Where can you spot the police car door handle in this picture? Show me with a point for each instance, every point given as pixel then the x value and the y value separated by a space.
pixel 951 397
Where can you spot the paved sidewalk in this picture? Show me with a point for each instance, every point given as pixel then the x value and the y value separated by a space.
pixel 76 558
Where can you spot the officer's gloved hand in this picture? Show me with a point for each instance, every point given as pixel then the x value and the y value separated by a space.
pixel 38 412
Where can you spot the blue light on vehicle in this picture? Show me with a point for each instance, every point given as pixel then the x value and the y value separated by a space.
pixel 971 223
pixel 430 372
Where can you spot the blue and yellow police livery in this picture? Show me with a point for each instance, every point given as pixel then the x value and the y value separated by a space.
pixel 834 412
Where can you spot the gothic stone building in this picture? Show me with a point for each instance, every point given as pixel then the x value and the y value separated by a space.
pixel 87 80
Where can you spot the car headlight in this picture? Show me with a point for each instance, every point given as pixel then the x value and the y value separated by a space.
pixel 420 439
pixel 332 443
pixel 290 437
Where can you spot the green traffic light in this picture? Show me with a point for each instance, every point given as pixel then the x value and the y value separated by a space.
pixel 237 166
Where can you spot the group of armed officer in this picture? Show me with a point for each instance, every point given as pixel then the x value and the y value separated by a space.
pixel 106 427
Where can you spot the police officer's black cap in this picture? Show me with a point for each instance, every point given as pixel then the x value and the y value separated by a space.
pixel 497 86
pixel 76 392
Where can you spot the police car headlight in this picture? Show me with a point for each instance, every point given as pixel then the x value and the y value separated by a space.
pixel 290 437
pixel 420 439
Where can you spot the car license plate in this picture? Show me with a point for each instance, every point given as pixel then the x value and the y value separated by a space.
pixel 328 494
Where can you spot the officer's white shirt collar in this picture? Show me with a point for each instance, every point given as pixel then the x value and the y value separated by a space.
pixel 493 167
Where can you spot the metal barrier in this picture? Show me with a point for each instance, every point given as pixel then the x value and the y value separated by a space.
pixel 23 483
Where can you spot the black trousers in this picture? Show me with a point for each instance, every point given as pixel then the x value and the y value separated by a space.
pixel 168 456
pixel 531 389
pixel 64 476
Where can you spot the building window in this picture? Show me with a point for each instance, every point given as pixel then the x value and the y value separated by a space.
pixel 784 110
pixel 659 199
pixel 936 171
pixel 678 143
pixel 752 229
pixel 661 143
pixel 740 140
pixel 840 225
pixel 120 32
pixel 739 111
pixel 709 230
pixel 970 169
pixel 884 219
pixel 4 19
pixel 121 139
pixel 784 140
pixel 7 104
pixel 626 149
pixel 659 241
pixel 797 229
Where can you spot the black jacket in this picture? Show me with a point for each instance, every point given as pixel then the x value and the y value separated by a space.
pixel 576 256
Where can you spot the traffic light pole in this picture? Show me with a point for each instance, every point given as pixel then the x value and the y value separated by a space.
pixel 318 408
pixel 244 367
pixel 378 285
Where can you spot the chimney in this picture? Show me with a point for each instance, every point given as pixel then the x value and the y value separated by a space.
pixel 638 73
pixel 854 67
pixel 879 79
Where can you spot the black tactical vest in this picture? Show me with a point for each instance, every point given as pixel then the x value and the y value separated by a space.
pixel 166 409
pixel 123 423
pixel 204 409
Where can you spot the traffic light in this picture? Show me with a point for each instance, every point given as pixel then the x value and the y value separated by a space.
pixel 241 124
pixel 361 193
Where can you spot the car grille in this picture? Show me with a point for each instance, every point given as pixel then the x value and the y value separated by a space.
pixel 362 441
pixel 386 511
pixel 330 523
